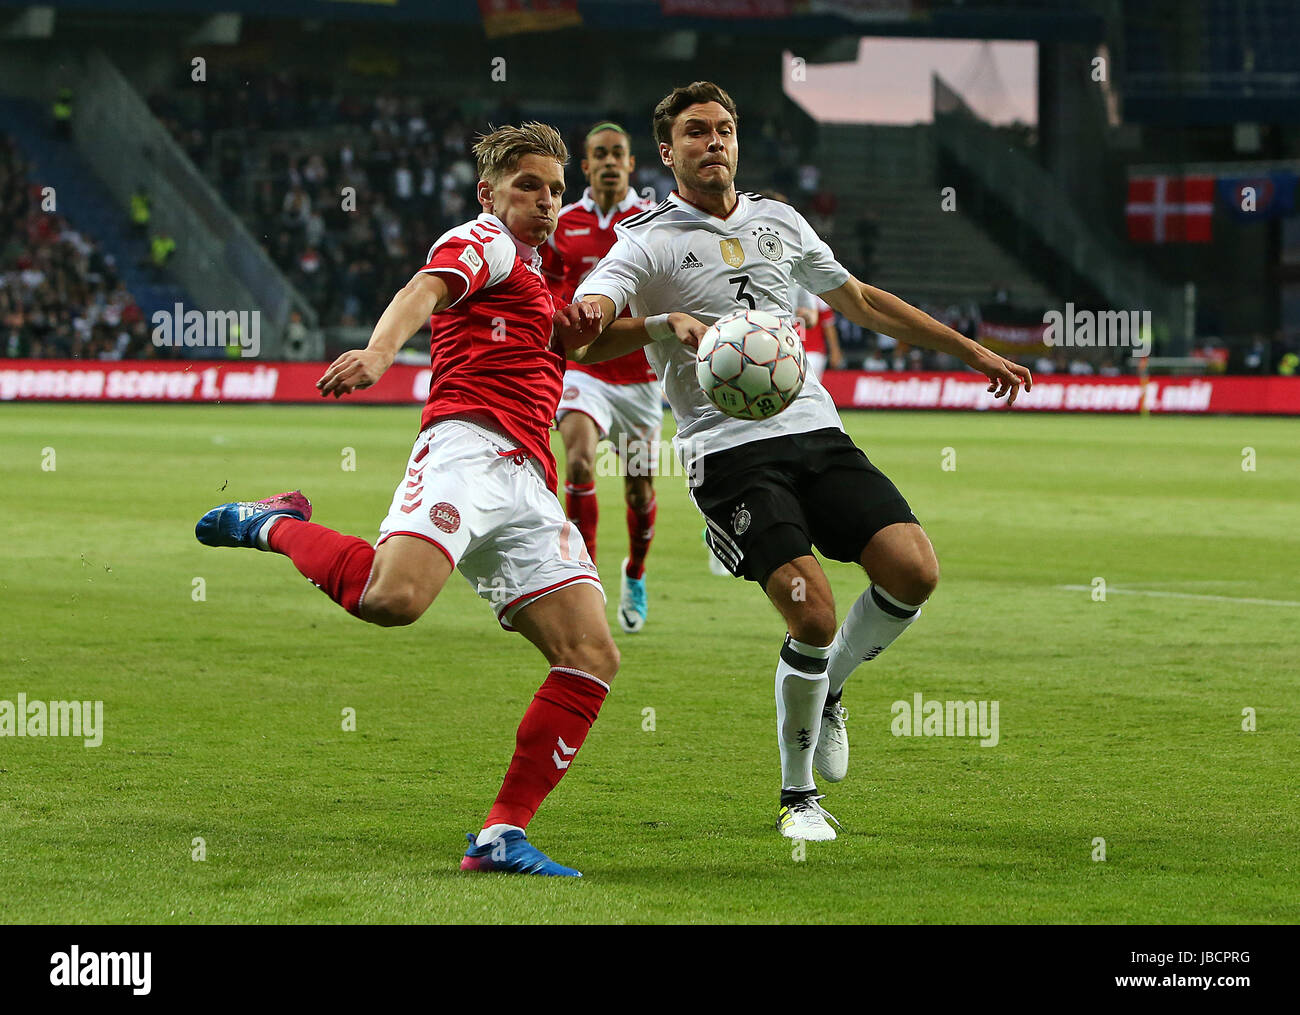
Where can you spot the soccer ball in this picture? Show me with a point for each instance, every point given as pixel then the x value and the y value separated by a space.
pixel 751 364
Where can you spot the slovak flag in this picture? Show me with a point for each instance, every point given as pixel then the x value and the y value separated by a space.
pixel 1170 209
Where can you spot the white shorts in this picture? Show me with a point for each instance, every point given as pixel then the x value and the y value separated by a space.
pixel 816 364
pixel 491 514
pixel 631 416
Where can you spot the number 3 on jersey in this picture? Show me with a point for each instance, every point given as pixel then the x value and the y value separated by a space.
pixel 740 281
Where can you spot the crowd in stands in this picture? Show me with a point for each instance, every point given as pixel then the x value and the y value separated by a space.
pixel 60 295
pixel 347 192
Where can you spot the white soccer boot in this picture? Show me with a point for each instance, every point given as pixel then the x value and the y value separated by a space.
pixel 831 757
pixel 802 817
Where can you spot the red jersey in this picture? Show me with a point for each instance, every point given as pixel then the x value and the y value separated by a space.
pixel 582 237
pixel 491 352
pixel 814 338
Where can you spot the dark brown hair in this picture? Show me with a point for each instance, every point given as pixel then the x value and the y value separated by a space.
pixel 687 95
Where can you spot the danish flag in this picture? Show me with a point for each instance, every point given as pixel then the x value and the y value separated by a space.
pixel 1170 209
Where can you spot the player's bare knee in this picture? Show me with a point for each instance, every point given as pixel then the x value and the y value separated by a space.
pixel 388 606
pixel 609 661
pixel 913 581
pixel 599 657
pixel 814 623
pixel 580 469
pixel 638 493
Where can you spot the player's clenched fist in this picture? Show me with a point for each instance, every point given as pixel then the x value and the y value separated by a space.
pixel 577 324
pixel 354 370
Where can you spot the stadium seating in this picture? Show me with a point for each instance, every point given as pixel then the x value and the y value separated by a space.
pixel 64 291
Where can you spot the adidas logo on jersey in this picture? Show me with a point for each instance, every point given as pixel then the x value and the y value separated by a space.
pixel 690 261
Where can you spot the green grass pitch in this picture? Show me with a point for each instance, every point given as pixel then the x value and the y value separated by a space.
pixel 1119 720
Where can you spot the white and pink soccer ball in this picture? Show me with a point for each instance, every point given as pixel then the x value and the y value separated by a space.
pixel 751 364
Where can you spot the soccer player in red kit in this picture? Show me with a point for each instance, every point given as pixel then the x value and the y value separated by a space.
pixel 816 325
pixel 620 399
pixel 478 492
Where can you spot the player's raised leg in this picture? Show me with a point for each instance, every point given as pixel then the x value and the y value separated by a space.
pixel 580 435
pixel 390 586
pixel 800 592
pixel 904 571
pixel 568 626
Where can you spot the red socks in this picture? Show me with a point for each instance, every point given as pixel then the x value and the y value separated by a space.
pixel 548 739
pixel 580 506
pixel 336 564
pixel 640 531
pixel 557 720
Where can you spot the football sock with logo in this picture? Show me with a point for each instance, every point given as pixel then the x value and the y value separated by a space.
pixel 800 693
pixel 581 507
pixel 640 531
pixel 337 564
pixel 870 626
pixel 552 730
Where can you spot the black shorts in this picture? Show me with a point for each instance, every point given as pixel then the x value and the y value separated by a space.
pixel 773 500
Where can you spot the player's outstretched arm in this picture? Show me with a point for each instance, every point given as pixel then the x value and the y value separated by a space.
pixel 424 295
pixel 621 335
pixel 884 312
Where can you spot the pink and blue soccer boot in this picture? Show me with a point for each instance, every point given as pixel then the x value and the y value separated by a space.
pixel 512 853
pixel 238 523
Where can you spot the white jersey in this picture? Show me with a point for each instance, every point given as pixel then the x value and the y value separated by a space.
pixel 677 257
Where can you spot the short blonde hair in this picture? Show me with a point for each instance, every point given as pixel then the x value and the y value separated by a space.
pixel 499 151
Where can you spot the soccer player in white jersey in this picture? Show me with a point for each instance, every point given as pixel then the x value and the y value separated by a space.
pixel 773 490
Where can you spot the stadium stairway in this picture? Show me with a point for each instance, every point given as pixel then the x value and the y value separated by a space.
pixel 922 253
pixel 84 201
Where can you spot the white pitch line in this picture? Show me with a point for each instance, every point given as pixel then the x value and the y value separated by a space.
pixel 1183 595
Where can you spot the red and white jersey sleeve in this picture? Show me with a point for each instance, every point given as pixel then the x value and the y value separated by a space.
pixel 471 257
pixel 583 235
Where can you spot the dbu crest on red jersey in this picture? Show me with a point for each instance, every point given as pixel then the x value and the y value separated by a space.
pixel 445 516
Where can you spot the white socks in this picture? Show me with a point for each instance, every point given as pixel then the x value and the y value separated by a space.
pixel 800 694
pixel 871 624
pixel 264 531
pixel 494 832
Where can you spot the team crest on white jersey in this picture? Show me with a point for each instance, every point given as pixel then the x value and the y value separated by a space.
pixel 732 252
pixel 769 244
